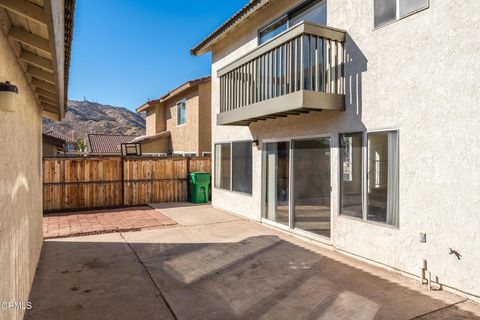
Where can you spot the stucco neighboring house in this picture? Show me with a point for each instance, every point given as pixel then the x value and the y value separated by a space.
pixel 179 122
pixel 332 120
pixel 35 42
pixel 54 143
pixel 107 144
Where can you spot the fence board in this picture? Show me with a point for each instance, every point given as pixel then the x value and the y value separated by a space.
pixel 102 182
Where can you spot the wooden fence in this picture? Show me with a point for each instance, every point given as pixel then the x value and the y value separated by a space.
pixel 102 182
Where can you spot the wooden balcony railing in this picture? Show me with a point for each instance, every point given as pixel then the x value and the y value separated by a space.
pixel 306 57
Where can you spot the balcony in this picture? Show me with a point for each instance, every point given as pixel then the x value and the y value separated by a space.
pixel 299 71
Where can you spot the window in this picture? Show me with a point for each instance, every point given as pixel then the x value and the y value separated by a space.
pixel 233 166
pixel 351 174
pixel 390 10
pixel 382 177
pixel 372 185
pixel 314 11
pixel 242 167
pixel 181 112
pixel 71 147
pixel 272 30
pixel 184 154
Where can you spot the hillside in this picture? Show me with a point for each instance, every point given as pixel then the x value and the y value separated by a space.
pixel 90 117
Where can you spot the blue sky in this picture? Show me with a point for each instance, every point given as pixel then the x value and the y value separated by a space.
pixel 126 52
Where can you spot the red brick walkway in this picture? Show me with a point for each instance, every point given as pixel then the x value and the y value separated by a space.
pixel 69 224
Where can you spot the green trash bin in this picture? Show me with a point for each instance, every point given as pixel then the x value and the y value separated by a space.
pixel 199 187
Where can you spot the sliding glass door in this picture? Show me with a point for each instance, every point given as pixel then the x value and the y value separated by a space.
pixel 277 160
pixel 311 206
pixel 298 184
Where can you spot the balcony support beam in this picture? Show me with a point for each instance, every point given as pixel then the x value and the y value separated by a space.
pixel 302 101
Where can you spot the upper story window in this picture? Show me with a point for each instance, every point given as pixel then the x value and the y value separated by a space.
pixel 387 11
pixel 181 112
pixel 314 11
pixel 273 29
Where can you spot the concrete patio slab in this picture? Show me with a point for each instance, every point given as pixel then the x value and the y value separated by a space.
pixel 93 277
pixel 223 269
pixel 190 214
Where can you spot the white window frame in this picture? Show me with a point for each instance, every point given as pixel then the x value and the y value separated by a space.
pixel 178 114
pixel 231 166
pixel 397 14
pixel 364 181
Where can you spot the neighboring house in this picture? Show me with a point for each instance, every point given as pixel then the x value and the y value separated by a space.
pixel 51 146
pixel 35 46
pixel 334 122
pixel 179 122
pixel 107 144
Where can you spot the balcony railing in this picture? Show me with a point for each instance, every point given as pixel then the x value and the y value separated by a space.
pixel 301 69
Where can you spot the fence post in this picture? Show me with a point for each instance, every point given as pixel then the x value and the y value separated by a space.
pixel 122 179
pixel 188 179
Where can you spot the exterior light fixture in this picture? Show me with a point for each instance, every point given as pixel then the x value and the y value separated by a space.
pixel 7 96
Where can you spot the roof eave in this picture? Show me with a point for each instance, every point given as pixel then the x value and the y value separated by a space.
pixel 206 44
pixel 147 105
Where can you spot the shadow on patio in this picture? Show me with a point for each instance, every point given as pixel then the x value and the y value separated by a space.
pixel 258 277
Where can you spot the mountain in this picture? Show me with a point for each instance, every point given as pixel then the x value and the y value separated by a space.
pixel 90 117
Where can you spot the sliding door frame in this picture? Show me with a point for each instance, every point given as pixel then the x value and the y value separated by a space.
pixel 291 204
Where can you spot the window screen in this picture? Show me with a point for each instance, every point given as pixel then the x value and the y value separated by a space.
pixel 382 177
pixel 242 167
pixel 351 174
pixel 385 11
pixel 222 166
pixel 409 6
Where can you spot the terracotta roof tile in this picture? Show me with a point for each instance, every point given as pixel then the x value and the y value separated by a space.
pixel 60 136
pixel 251 7
pixel 107 143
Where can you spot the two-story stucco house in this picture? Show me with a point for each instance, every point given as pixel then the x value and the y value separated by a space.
pixel 179 122
pixel 332 120
pixel 35 43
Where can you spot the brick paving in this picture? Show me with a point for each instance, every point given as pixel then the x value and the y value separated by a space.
pixel 67 224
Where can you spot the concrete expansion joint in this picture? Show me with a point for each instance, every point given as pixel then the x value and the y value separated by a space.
pixel 152 279
pixel 440 309
pixel 209 224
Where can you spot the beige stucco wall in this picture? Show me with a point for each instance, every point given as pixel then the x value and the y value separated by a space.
pixel 204 118
pixel 20 187
pixel 184 138
pixel 419 75
pixel 155 146
pixel 151 120
pixel 195 134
